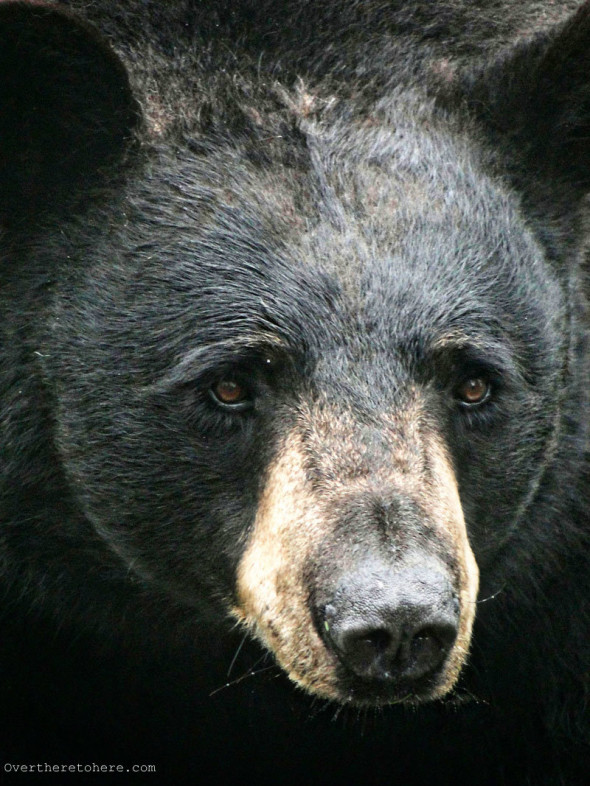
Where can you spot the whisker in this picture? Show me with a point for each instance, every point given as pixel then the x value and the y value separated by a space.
pixel 491 597
pixel 235 657
pixel 252 672
pixel 240 679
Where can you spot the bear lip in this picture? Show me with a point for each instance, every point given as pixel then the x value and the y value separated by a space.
pixel 380 693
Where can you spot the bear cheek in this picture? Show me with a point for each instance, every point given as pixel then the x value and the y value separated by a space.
pixel 273 601
pixel 290 530
pixel 441 499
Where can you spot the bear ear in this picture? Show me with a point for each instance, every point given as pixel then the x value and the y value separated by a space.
pixel 67 112
pixel 535 105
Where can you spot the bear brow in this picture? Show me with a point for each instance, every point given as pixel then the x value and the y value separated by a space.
pixel 217 353
pixel 473 346
pixel 471 350
pixel 456 339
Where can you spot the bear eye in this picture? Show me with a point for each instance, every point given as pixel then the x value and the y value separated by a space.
pixel 231 395
pixel 473 391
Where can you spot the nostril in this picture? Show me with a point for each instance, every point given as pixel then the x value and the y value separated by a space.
pixel 367 651
pixel 443 634
pixel 426 649
pixel 377 640
pixel 368 643
pixel 394 650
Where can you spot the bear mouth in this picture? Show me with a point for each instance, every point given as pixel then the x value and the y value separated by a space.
pixel 383 692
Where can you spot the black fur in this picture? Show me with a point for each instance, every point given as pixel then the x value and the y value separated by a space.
pixel 192 189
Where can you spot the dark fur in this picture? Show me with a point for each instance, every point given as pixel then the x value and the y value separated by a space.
pixel 334 186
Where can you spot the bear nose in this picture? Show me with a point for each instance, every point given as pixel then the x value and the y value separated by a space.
pixel 392 625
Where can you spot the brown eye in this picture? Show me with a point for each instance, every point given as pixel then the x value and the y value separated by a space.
pixel 473 391
pixel 230 394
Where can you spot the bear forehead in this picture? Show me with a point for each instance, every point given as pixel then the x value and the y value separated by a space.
pixel 362 238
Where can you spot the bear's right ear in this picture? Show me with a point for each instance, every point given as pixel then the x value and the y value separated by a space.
pixel 534 104
pixel 67 111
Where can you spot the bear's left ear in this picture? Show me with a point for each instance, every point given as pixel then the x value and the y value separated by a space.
pixel 67 112
pixel 534 104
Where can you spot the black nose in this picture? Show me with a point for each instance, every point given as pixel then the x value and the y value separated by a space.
pixel 392 625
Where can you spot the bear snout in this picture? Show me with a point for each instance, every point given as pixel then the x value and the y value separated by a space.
pixel 391 627
pixel 364 593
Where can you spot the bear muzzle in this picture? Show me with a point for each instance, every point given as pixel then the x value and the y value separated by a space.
pixel 366 594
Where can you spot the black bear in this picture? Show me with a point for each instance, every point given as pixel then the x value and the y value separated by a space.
pixel 294 391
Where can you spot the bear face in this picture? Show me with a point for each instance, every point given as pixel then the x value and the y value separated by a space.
pixel 306 359
pixel 350 331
